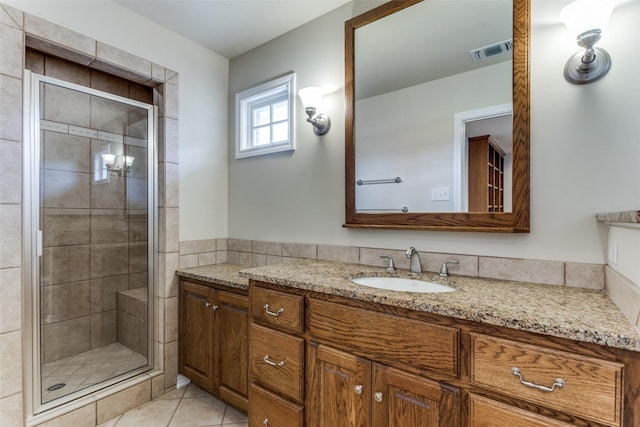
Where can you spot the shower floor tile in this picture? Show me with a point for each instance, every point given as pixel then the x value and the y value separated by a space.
pixel 88 368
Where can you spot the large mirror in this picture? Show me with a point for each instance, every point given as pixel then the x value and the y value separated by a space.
pixel 437 116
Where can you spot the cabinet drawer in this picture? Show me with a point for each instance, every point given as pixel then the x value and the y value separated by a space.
pixel 592 388
pixel 267 409
pixel 277 309
pixel 489 413
pixel 406 341
pixel 277 361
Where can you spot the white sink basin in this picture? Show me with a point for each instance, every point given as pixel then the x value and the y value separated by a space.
pixel 402 284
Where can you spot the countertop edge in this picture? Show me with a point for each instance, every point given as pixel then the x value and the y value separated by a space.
pixel 297 276
pixel 594 336
pixel 621 217
pixel 220 274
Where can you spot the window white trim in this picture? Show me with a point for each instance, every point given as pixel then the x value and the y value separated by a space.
pixel 267 93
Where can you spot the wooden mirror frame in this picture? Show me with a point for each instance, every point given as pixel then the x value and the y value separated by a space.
pixel 516 221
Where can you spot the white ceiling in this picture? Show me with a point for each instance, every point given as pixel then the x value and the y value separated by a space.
pixel 231 27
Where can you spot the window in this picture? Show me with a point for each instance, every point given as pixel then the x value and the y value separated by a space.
pixel 264 118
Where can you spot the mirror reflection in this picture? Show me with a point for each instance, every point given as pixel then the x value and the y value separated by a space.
pixel 433 112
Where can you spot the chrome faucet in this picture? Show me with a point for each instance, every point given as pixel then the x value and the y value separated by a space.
pixel 391 266
pixel 444 270
pixel 414 257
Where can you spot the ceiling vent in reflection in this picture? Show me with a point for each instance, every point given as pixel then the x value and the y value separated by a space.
pixel 491 50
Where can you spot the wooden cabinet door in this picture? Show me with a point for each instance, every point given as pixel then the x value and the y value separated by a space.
pixel 484 412
pixel 401 399
pixel 196 334
pixel 232 322
pixel 269 409
pixel 339 393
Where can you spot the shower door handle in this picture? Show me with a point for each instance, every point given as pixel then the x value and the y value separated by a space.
pixel 38 242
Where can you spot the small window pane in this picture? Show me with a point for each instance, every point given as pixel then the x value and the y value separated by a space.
pixel 280 132
pixel 261 136
pixel 261 116
pixel 280 111
pixel 264 118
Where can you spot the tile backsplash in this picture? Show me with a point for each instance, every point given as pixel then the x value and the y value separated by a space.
pixel 253 253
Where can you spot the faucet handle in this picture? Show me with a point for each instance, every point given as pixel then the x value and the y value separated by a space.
pixel 391 266
pixel 444 270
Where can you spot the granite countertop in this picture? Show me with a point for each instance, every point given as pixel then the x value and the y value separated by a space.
pixel 560 311
pixel 630 217
pixel 221 274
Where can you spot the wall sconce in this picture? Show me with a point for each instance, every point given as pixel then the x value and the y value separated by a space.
pixel 117 163
pixel 587 19
pixel 311 98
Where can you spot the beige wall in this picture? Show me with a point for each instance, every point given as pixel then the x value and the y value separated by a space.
pixel 584 153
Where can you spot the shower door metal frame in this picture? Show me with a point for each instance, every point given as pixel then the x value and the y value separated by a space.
pixel 33 245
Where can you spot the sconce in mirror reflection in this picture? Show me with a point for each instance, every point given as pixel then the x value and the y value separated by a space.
pixel 311 98
pixel 587 19
pixel 117 163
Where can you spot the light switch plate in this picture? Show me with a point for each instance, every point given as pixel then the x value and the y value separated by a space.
pixel 440 194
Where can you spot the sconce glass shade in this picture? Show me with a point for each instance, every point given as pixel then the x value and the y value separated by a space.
pixel 108 159
pixel 311 97
pixel 128 161
pixel 585 15
pixel 586 19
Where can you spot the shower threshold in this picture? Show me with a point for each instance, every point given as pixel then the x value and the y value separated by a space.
pixel 68 375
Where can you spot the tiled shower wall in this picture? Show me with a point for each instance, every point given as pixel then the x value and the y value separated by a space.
pixel 18 31
pixel 95 235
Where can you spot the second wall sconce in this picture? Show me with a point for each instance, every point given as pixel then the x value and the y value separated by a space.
pixel 311 98
pixel 116 163
pixel 587 19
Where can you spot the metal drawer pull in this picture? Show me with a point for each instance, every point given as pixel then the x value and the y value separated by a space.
pixel 272 313
pixel 266 422
pixel 268 361
pixel 358 389
pixel 559 382
pixel 377 396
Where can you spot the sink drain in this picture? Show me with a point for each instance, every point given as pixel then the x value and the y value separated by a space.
pixel 56 387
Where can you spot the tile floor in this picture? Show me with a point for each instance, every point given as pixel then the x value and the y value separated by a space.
pixel 87 368
pixel 189 406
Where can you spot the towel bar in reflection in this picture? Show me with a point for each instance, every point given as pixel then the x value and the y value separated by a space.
pixel 396 180
pixel 403 209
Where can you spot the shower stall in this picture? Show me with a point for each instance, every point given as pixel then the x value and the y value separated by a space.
pixel 89 249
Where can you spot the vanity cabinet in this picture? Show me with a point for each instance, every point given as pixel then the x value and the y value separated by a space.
pixel 347 390
pixel 323 360
pixel 298 378
pixel 490 413
pixel 276 359
pixel 574 384
pixel 214 340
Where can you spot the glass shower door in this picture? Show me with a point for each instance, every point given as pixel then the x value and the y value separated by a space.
pixel 95 236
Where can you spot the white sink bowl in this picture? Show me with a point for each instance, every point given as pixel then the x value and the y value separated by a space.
pixel 402 284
